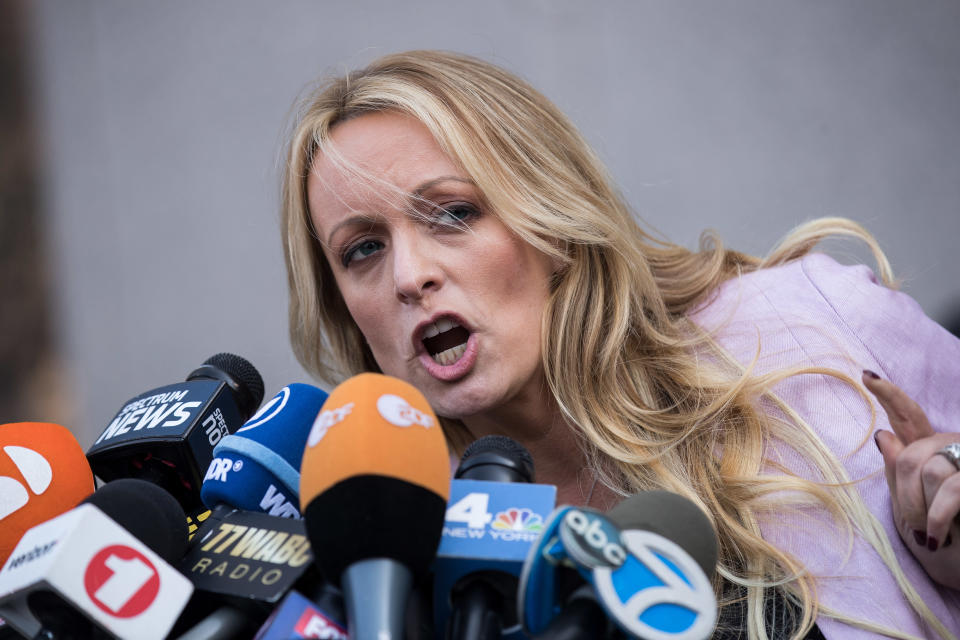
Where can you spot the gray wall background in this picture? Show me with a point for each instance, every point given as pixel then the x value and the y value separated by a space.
pixel 163 127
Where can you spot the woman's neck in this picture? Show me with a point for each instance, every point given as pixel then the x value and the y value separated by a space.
pixel 557 454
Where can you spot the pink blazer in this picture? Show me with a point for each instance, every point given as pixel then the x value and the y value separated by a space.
pixel 815 311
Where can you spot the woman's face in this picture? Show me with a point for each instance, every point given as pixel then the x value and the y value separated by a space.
pixel 447 297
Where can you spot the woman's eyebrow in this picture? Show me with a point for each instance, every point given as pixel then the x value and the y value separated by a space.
pixel 429 184
pixel 416 194
pixel 351 221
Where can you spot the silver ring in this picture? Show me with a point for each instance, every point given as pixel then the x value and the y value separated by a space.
pixel 952 453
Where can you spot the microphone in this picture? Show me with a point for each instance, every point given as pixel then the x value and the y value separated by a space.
pixel 247 556
pixel 649 561
pixel 141 507
pixel 167 435
pixel 481 554
pixel 373 491
pixel 84 575
pixel 258 467
pixel 43 473
pixel 300 617
pixel 247 559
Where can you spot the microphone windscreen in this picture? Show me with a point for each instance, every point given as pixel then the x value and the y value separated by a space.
pixel 43 473
pixel 496 459
pixel 375 476
pixel 266 451
pixel 147 511
pixel 242 377
pixel 675 518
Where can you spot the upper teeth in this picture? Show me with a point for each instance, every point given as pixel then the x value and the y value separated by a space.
pixel 438 327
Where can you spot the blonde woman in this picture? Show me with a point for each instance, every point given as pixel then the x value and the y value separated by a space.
pixel 444 223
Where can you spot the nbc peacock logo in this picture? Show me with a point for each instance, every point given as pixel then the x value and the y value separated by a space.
pixel 522 519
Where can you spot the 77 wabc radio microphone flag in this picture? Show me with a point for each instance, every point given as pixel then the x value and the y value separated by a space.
pixel 99 569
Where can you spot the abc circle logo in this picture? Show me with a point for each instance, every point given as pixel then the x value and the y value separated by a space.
pixel 659 592
pixel 35 470
pixel 121 581
pixel 398 412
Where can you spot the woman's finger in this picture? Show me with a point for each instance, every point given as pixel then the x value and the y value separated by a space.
pixel 909 486
pixel 943 509
pixel 906 417
pixel 935 471
pixel 890 447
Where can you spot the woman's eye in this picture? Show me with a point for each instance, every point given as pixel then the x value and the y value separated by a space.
pixel 457 214
pixel 361 251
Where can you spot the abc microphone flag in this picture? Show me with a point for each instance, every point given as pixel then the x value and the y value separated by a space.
pixel 43 473
pixel 374 483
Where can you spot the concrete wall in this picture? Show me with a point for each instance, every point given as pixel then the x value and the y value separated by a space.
pixel 163 126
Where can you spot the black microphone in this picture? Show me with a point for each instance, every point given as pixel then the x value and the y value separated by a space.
pixel 167 435
pixel 483 600
pixel 100 570
pixel 242 564
pixel 581 618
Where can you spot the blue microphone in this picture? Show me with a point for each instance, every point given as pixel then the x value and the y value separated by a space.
pixel 495 513
pixel 257 468
pixel 649 562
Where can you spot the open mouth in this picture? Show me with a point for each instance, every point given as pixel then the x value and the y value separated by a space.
pixel 445 341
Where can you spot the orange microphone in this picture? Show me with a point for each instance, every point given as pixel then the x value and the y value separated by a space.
pixel 374 485
pixel 43 473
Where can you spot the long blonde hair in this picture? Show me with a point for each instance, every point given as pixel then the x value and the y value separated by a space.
pixel 617 346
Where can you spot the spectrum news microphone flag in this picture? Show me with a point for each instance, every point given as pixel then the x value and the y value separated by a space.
pixel 43 473
pixel 374 485
pixel 167 435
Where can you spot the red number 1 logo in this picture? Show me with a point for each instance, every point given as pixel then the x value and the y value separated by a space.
pixel 121 581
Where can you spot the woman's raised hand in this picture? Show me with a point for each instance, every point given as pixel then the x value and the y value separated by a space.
pixel 924 484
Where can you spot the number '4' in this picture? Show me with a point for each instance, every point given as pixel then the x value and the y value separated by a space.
pixel 471 510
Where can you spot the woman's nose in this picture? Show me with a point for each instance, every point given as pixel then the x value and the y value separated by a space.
pixel 415 271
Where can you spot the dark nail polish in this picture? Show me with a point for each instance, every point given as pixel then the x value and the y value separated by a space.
pixel 948 541
pixel 920 537
pixel 932 543
pixel 871 374
pixel 876 440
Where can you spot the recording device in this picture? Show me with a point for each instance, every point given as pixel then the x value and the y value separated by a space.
pixel 167 435
pixel 649 562
pixel 43 473
pixel 373 491
pixel 300 617
pixel 248 557
pixel 258 467
pixel 494 515
pixel 84 575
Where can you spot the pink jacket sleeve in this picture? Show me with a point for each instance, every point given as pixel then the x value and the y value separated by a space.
pixel 816 312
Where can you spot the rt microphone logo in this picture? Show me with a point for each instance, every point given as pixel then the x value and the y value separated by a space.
pixel 35 470
pixel 121 581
